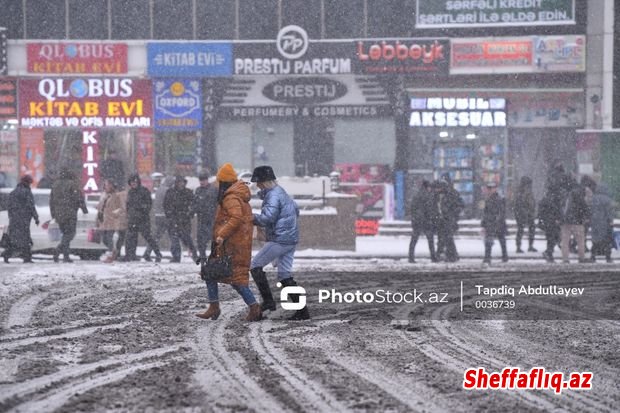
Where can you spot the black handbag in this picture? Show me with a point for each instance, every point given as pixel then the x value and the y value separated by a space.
pixel 217 266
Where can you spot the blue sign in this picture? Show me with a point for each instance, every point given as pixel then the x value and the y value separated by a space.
pixel 189 59
pixel 177 104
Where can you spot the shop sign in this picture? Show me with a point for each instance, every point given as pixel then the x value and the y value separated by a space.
pixel 32 154
pixel 417 56
pixel 189 59
pixel 305 90
pixel 177 104
pixel 458 112
pixel 484 13
pixel 560 53
pixel 531 54
pixel 85 103
pixel 292 54
pixel 505 55
pixel 545 109
pixel 314 111
pixel 77 58
pixel 4 66
pixel 90 160
pixel 8 99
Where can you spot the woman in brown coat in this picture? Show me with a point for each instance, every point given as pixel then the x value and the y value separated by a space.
pixel 112 217
pixel 232 234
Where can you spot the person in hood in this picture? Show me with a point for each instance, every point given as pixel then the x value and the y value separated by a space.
pixel 178 207
pixel 279 216
pixel 423 216
pixel 232 233
pixel 494 223
pixel 205 203
pixel 21 210
pixel 602 223
pixel 161 223
pixel 138 219
pixel 525 213
pixel 65 200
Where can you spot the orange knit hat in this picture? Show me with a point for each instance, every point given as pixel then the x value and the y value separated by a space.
pixel 227 173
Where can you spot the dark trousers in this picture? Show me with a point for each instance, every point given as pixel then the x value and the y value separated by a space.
pixel 108 240
pixel 531 231
pixel 67 227
pixel 601 248
pixel 161 227
pixel 415 235
pixel 488 245
pixel 553 239
pixel 204 233
pixel 25 252
pixel 180 233
pixel 445 242
pixel 133 230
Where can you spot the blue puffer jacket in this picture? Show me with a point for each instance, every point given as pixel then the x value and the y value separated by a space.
pixel 279 216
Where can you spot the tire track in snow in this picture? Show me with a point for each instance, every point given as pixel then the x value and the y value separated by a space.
pixel 22 310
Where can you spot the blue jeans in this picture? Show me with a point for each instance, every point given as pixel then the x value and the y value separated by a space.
pixel 282 253
pixel 244 292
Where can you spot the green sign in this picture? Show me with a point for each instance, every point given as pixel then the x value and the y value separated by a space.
pixel 481 13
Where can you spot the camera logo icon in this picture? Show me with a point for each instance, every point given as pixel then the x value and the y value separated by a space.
pixel 297 297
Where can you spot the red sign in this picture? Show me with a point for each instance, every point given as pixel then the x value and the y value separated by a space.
pixel 90 161
pixel 366 226
pixel 8 100
pixel 77 58
pixel 491 56
pixel 403 56
pixel 32 154
pixel 85 103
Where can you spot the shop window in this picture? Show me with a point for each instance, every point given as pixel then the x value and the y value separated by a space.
pixel 176 153
pixel 258 19
pixel 214 19
pixel 371 141
pixel 303 13
pixel 344 19
pixel 45 19
pixel 172 19
pixel 131 22
pixel 399 14
pixel 88 19
pixel 12 17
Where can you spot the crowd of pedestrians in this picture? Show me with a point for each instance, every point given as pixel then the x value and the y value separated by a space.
pixel 566 212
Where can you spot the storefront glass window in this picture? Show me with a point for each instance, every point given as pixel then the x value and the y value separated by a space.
pixel 371 141
pixel 393 11
pixel 258 19
pixel 214 19
pixel 344 19
pixel 176 153
pixel 172 19
pixel 303 13
pixel 52 12
pixel 12 17
pixel 130 22
pixel 88 20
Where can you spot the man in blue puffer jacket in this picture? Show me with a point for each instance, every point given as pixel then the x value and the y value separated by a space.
pixel 278 216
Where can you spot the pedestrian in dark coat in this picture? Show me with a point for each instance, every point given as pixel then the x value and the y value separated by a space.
pixel 423 218
pixel 178 207
pixel 138 219
pixel 603 213
pixel 65 200
pixel 21 210
pixel 205 203
pixel 161 223
pixel 575 214
pixel 449 207
pixel 494 223
pixel 549 219
pixel 525 213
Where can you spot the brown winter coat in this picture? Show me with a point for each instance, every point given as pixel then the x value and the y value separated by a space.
pixel 233 222
pixel 114 209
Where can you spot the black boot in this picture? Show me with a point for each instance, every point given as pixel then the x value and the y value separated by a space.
pixel 56 255
pixel 302 314
pixel 260 278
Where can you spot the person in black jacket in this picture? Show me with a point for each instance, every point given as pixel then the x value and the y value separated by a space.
pixel 21 211
pixel 178 207
pixel 549 217
pixel 449 206
pixel 205 203
pixel 494 223
pixel 525 213
pixel 575 215
pixel 423 216
pixel 138 219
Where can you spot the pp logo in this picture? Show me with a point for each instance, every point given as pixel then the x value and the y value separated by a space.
pixel 293 290
pixel 292 42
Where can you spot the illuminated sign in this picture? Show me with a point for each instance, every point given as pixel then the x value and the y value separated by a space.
pixel 85 103
pixel 455 112
pixel 77 58
pixel 403 56
pixel 90 161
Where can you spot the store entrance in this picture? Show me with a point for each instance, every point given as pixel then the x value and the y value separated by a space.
pixel 314 146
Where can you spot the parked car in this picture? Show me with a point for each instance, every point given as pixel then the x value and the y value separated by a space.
pixel 43 242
